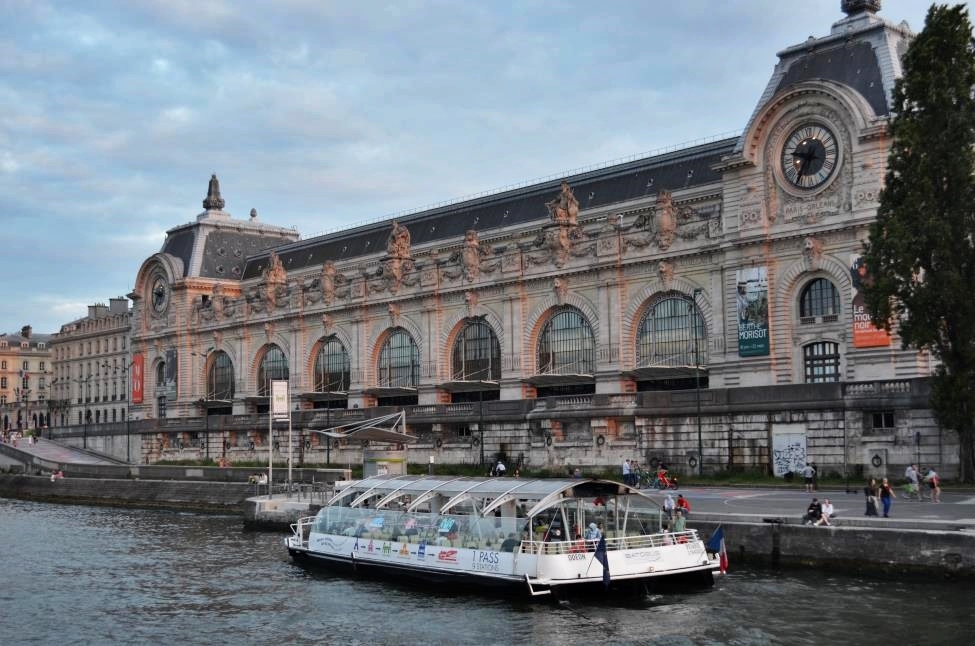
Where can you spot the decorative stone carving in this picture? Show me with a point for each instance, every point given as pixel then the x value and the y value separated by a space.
pixel 394 314
pixel 331 281
pixel 213 201
pixel 398 242
pixel 275 281
pixel 666 220
pixel 470 299
pixel 561 288
pixel 327 323
pixel 665 270
pixel 564 209
pixel 812 251
pixel 268 330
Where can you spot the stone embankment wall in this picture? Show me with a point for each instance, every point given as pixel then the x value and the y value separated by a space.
pixel 179 494
pixel 942 551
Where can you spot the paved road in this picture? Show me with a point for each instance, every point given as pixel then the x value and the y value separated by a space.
pixel 754 503
pixel 48 450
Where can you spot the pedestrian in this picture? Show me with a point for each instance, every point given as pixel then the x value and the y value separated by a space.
pixel 934 484
pixel 807 475
pixel 886 496
pixel 680 521
pixel 499 469
pixel 912 488
pixel 870 493
pixel 626 472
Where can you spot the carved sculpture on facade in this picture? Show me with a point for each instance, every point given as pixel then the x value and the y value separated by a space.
pixel 327 323
pixel 398 242
pixel 394 313
pixel 666 220
pixel 564 209
pixel 665 270
pixel 275 282
pixel 470 300
pixel 333 284
pixel 812 251
pixel 561 288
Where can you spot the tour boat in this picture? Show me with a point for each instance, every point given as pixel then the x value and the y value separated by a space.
pixel 541 536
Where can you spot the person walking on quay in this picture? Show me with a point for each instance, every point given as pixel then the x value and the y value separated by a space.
pixel 808 472
pixel 912 488
pixel 870 493
pixel 886 496
pixel 934 484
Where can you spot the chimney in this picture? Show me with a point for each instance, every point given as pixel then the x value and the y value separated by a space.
pixel 25 331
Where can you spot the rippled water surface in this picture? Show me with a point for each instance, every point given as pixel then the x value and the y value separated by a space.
pixel 95 575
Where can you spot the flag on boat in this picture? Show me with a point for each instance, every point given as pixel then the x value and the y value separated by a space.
pixel 602 558
pixel 716 546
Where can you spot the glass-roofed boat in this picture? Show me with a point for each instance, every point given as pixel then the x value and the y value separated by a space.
pixel 536 535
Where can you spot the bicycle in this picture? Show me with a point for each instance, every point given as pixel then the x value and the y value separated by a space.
pixel 663 481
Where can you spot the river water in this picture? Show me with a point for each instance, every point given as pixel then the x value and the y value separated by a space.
pixel 98 575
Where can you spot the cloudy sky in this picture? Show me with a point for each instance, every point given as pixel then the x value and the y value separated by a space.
pixel 322 114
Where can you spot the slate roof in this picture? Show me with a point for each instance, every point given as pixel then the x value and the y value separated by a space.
pixel 615 184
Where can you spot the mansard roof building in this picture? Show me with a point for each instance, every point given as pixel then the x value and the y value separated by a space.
pixel 698 307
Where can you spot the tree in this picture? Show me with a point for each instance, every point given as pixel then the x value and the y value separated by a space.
pixel 921 249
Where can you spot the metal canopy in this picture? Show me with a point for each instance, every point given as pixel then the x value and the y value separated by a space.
pixel 388 428
pixel 494 491
pixel 665 372
pixel 466 386
pixel 555 379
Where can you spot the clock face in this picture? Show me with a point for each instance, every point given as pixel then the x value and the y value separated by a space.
pixel 809 156
pixel 160 294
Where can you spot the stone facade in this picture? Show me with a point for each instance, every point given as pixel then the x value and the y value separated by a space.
pixel 698 307
pixel 25 380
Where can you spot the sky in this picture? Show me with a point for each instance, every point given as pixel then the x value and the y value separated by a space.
pixel 323 114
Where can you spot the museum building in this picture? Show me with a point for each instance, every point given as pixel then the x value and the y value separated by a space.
pixel 699 307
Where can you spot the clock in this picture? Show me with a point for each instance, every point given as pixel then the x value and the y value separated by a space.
pixel 809 156
pixel 159 296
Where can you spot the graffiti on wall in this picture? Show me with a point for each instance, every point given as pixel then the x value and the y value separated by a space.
pixel 788 450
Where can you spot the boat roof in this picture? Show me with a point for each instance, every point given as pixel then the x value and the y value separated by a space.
pixel 453 490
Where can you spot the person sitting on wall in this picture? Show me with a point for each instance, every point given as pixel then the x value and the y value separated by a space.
pixel 813 512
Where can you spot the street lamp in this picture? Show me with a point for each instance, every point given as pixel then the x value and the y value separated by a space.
pixel 203 402
pixel 697 380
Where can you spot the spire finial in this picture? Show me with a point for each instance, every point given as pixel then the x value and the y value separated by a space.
pixel 213 201
pixel 853 7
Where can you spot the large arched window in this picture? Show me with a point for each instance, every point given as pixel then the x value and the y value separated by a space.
pixel 220 377
pixel 331 367
pixel 477 353
pixel 399 361
pixel 274 367
pixel 819 298
pixel 672 333
pixel 566 344
pixel 821 362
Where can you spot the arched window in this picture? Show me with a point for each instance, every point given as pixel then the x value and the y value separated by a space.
pixel 331 367
pixel 819 298
pixel 274 367
pixel 160 374
pixel 821 362
pixel 220 377
pixel 672 333
pixel 477 353
pixel 399 361
pixel 566 345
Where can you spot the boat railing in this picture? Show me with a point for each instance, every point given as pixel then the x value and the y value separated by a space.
pixel 301 529
pixel 636 541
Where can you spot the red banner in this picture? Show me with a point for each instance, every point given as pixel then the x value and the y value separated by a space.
pixel 865 333
pixel 138 372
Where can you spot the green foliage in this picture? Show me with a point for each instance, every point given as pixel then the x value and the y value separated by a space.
pixel 921 249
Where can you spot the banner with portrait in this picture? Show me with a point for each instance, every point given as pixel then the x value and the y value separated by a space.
pixel 752 308
pixel 865 333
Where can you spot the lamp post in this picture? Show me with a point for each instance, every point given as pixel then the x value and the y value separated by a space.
pixel 697 382
pixel 204 403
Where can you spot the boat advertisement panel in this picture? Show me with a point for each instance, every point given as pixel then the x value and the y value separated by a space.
pixel 444 556
pixel 752 299
pixel 865 333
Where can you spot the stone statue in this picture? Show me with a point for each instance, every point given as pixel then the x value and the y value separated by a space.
pixel 471 256
pixel 398 242
pixel 564 209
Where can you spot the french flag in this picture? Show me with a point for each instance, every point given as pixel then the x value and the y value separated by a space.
pixel 716 546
